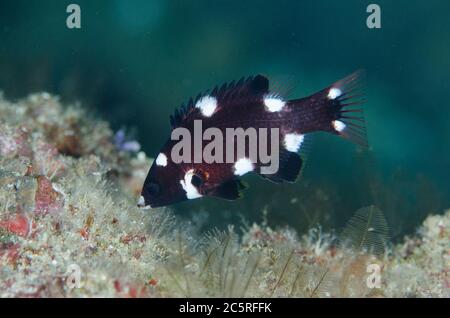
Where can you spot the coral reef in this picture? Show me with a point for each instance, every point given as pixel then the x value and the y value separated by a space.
pixel 69 227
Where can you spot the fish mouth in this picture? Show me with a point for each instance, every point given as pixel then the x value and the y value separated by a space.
pixel 141 204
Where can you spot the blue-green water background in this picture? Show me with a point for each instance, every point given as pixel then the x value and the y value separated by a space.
pixel 133 62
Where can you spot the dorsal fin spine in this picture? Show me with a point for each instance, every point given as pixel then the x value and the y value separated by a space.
pixel 225 92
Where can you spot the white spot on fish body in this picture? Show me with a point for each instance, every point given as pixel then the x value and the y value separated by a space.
pixel 242 166
pixel 188 187
pixel 273 103
pixel 334 93
pixel 161 160
pixel 207 105
pixel 292 142
pixel 338 125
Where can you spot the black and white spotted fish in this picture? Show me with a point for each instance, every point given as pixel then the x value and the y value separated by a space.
pixel 249 103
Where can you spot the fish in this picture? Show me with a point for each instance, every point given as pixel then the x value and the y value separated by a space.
pixel 249 103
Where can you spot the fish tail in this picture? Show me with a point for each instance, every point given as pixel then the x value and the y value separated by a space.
pixel 337 109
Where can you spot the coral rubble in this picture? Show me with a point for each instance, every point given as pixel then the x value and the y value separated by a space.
pixel 69 227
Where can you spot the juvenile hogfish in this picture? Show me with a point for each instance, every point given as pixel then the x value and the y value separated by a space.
pixel 248 103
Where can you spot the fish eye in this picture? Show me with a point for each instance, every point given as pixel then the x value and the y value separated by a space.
pixel 196 180
pixel 152 188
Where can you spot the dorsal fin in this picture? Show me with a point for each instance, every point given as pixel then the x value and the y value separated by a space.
pixel 226 94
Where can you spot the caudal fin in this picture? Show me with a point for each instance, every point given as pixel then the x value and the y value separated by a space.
pixel 346 107
pixel 336 109
pixel 345 99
